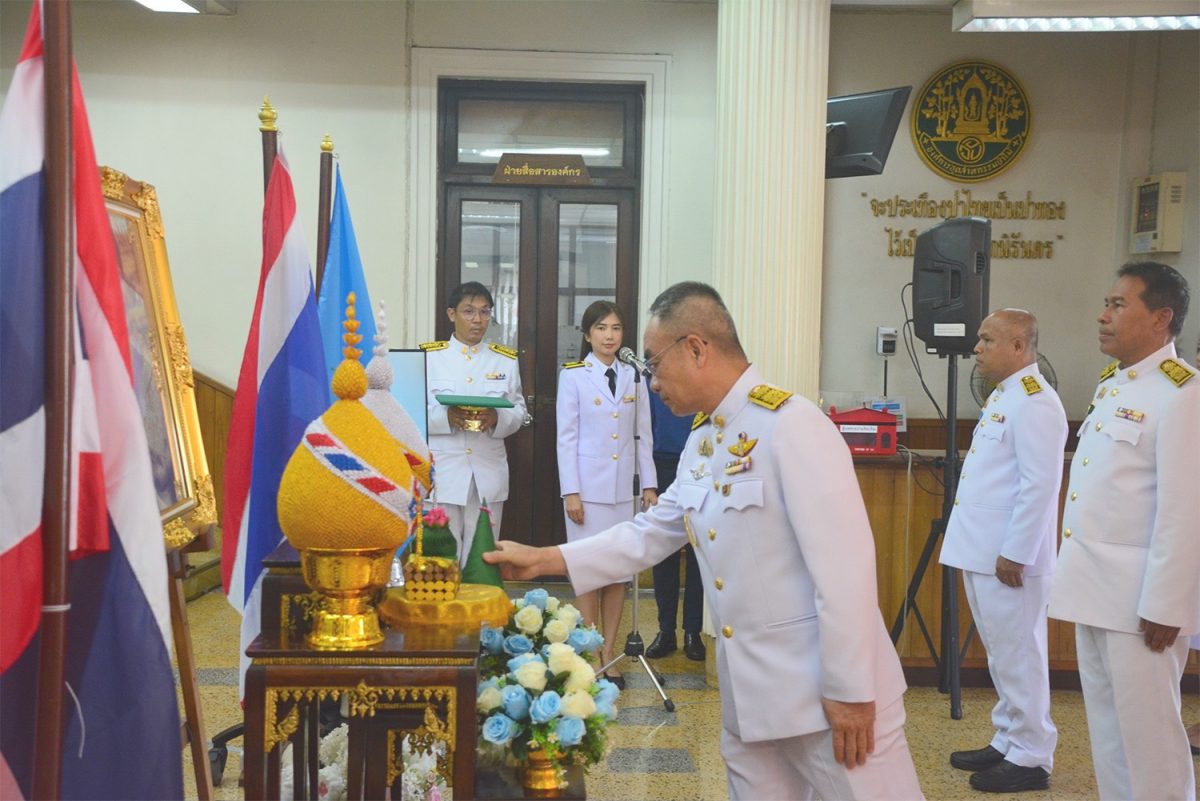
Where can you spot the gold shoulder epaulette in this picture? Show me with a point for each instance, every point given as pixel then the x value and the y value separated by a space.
pixel 1177 372
pixel 428 346
pixel 572 365
pixel 769 396
pixel 503 351
pixel 700 419
pixel 1032 387
pixel 1108 372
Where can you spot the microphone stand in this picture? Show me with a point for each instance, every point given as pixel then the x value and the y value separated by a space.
pixel 634 647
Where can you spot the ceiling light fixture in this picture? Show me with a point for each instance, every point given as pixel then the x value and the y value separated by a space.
pixel 170 6
pixel 1067 16
pixel 495 153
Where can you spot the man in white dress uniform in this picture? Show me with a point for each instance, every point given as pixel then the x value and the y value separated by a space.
pixel 471 467
pixel 1129 565
pixel 1002 536
pixel 812 696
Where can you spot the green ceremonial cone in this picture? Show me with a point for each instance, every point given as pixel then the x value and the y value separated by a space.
pixel 477 571
pixel 438 541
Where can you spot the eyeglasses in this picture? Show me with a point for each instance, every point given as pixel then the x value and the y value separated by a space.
pixel 472 314
pixel 653 363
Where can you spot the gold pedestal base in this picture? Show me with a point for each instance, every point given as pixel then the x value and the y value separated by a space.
pixel 346 619
pixel 540 778
pixel 474 605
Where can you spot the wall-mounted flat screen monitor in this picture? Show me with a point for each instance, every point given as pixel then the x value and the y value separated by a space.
pixel 859 130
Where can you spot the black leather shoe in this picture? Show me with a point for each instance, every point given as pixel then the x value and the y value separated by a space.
pixel 979 759
pixel 693 646
pixel 617 679
pixel 663 644
pixel 1009 778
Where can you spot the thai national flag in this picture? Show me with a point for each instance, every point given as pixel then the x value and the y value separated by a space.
pixel 281 389
pixel 122 732
pixel 343 274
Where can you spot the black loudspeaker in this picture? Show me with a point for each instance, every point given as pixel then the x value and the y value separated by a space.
pixel 951 269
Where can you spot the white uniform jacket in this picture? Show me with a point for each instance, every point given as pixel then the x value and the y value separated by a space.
pixel 459 369
pixel 1131 527
pixel 787 557
pixel 1007 499
pixel 595 432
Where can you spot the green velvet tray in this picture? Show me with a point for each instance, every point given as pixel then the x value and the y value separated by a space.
pixel 486 401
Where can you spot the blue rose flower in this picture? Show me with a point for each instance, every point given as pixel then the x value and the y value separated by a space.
pixel 545 652
pixel 607 692
pixel 606 710
pixel 581 640
pixel 517 644
pixel 516 701
pixel 538 598
pixel 499 729
pixel 494 681
pixel 519 660
pixel 545 707
pixel 597 640
pixel 570 731
pixel 491 639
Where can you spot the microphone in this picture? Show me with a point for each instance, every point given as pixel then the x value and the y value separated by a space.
pixel 627 356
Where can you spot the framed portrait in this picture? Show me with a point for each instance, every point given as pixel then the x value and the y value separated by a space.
pixel 162 371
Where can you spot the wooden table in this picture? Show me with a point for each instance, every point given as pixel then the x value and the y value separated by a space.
pixel 419 684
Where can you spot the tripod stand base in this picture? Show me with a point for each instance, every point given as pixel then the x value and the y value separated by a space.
pixel 655 678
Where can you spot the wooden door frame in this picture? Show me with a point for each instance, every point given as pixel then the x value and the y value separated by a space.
pixel 429 65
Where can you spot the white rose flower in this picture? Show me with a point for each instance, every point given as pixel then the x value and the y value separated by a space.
pixel 489 699
pixel 557 631
pixel 569 615
pixel 578 704
pixel 529 619
pixel 582 675
pixel 551 604
pixel 560 656
pixel 532 675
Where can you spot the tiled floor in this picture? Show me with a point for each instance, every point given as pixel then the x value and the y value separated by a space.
pixel 674 756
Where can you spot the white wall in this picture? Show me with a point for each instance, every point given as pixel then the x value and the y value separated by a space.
pixel 173 100
pixel 1077 85
pixel 1175 147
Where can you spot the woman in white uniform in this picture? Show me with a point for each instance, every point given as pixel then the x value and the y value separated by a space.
pixel 598 405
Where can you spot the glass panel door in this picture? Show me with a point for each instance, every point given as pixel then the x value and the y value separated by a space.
pixel 490 253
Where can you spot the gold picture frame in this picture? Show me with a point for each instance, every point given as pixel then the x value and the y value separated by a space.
pixel 162 371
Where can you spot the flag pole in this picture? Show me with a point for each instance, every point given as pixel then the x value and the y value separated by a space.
pixel 60 319
pixel 324 208
pixel 267 115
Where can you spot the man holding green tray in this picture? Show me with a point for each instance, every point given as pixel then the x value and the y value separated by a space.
pixel 474 402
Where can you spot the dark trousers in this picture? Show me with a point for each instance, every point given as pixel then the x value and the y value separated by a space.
pixel 666 572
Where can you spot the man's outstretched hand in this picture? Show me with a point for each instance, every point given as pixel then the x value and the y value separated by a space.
pixel 519 562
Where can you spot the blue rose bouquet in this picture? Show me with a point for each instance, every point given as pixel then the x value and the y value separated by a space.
pixel 538 686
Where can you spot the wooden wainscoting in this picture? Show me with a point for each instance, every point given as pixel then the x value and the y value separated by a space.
pixel 214 405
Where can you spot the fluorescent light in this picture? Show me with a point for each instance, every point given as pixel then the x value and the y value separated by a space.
pixel 1065 16
pixel 172 6
pixel 495 153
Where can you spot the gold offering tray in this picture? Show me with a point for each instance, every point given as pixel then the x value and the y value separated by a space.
pixel 475 604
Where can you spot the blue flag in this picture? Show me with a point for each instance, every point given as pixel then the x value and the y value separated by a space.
pixel 343 274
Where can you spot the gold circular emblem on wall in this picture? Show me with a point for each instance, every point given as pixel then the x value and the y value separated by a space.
pixel 971 121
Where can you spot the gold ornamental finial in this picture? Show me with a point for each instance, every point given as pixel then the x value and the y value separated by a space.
pixel 326 144
pixel 351 337
pixel 267 115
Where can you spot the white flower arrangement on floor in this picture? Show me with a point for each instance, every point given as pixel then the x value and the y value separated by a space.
pixel 420 781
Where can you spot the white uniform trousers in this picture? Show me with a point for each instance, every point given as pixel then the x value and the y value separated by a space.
pixel 1131 694
pixel 1012 626
pixel 801 768
pixel 464 519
